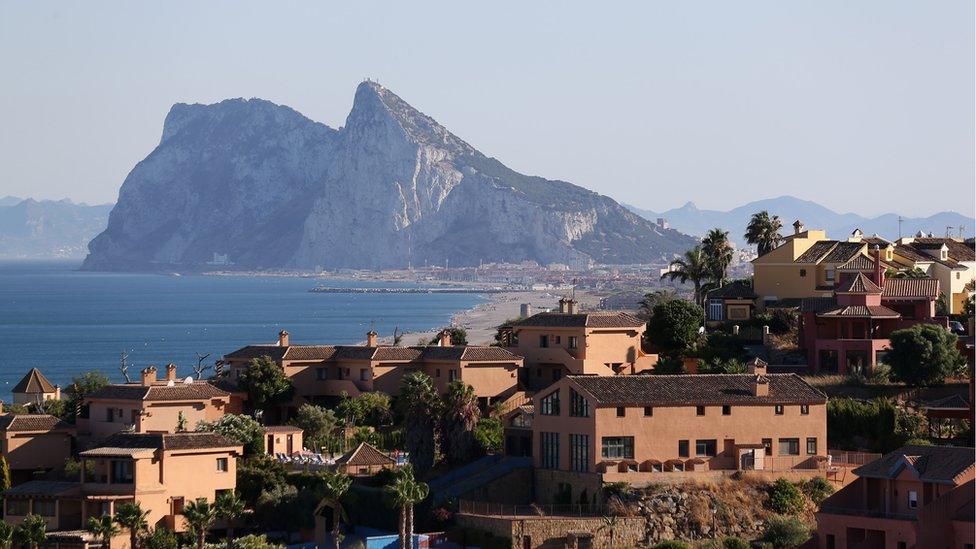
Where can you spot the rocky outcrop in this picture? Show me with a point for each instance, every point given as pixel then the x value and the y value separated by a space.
pixel 32 229
pixel 269 188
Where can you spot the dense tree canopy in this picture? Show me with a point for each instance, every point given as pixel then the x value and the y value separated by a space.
pixel 674 325
pixel 763 231
pixel 266 384
pixel 924 355
pixel 240 428
pixel 317 425
pixel 421 408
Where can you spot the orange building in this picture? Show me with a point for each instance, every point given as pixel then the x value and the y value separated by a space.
pixel 665 423
pixel 569 342
pixel 916 496
pixel 34 442
pixel 152 406
pixel 160 472
pixel 324 372
pixel 282 439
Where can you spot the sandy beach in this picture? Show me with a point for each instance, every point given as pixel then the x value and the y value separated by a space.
pixel 481 321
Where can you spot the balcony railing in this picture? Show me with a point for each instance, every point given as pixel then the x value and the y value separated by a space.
pixel 865 512
pixel 530 510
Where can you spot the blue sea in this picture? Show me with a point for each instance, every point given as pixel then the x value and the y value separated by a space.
pixel 66 322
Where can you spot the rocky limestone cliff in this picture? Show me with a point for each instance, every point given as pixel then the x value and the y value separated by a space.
pixel 270 188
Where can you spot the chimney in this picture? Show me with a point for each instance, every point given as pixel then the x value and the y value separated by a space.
pixel 148 376
pixel 562 304
pixel 445 338
pixel 171 372
pixel 571 306
pixel 757 367
pixel 797 227
pixel 760 386
pixel 878 269
pixel 283 339
pixel 371 338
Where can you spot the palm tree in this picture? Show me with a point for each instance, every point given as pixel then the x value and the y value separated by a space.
pixel 200 516
pixel 103 528
pixel 131 517
pixel 32 531
pixel 718 251
pixel 914 272
pixel 403 494
pixel 6 535
pixel 420 404
pixel 336 486
pixel 763 231
pixel 460 415
pixel 610 523
pixel 693 266
pixel 229 508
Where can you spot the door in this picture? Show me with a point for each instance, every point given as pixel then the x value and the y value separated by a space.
pixel 290 445
pixel 271 448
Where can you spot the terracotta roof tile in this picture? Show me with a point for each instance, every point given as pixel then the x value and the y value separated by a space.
pixel 603 319
pixel 738 289
pixel 816 252
pixel 844 252
pixel 31 422
pixel 365 455
pixel 167 441
pixel 861 311
pixel 818 304
pixel 34 383
pixel 942 464
pixel 309 352
pixel 911 288
pixel 703 389
pixel 859 284
pixel 257 351
pixel 397 353
pixel 200 390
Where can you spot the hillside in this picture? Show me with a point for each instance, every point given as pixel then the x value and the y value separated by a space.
pixel 45 229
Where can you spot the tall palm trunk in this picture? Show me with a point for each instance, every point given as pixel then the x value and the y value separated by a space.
pixel 134 539
pixel 335 525
pixel 403 528
pixel 410 526
pixel 230 537
pixel 201 538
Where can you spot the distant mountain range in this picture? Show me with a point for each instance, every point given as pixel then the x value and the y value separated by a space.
pixel 32 229
pixel 689 219
pixel 265 187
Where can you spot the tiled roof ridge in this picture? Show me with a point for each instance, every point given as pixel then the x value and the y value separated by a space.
pixel 34 382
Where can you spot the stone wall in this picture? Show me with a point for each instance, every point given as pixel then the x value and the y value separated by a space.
pixel 545 532
pixel 514 488
pixel 550 484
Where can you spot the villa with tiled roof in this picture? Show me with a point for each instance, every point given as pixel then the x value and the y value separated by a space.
pixel 631 428
pixel 34 388
pixel 569 341
pixel 849 330
pixel 322 373
pixel 32 442
pixel 949 260
pixel 364 460
pixel 153 405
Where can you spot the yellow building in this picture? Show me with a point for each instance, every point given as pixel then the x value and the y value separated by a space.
pixel 951 261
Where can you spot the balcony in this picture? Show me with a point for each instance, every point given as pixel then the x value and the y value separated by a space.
pixel 865 512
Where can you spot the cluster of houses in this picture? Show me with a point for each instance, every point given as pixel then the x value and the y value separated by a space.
pixel 575 397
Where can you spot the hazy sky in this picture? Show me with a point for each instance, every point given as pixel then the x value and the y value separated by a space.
pixel 863 106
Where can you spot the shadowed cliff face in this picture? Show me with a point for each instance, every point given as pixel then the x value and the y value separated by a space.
pixel 269 188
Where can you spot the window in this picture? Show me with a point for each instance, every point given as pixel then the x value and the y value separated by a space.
pixel 715 309
pixel 829 275
pixel 363 374
pixel 789 446
pixel 222 465
pixel 779 409
pixel 811 446
pixel 321 374
pixel 18 507
pixel 44 507
pixel 544 341
pixel 578 405
pixel 452 375
pixel 109 415
pixel 549 404
pixel 831 542
pixel 437 372
pixel 648 411
pixel 538 372
pixel 559 339
pixel 902 545
pixel 573 342
pixel 912 499
pixel 579 453
pixel 617 448
pixel 768 446
pixel 549 446
pixel 177 503
pixel 683 448
pixel 705 448
pixel 621 411
pixel 556 374
pixel 121 471
pixel 805 409
pixel 803 273
pixel 700 410
pixel 726 410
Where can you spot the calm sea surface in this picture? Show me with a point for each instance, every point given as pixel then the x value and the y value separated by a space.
pixel 67 322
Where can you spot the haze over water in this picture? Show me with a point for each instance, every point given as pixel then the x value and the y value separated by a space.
pixel 67 322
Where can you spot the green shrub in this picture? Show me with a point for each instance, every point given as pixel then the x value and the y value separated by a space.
pixel 924 355
pixel 852 423
pixel 669 365
pixel 671 544
pixel 785 498
pixel 785 532
pixel 818 489
pixel 733 542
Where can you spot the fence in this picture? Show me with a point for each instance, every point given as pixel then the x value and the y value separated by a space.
pixel 842 458
pixel 530 510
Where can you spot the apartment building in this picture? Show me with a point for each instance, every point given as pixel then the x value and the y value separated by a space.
pixel 325 372
pixel 569 342
pixel 951 261
pixel 34 442
pixel 916 496
pixel 656 424
pixel 160 472
pixel 849 331
pixel 152 405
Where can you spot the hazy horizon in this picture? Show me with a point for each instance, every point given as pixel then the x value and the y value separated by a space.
pixel 653 105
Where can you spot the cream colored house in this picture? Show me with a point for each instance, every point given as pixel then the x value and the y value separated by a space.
pixel 951 261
